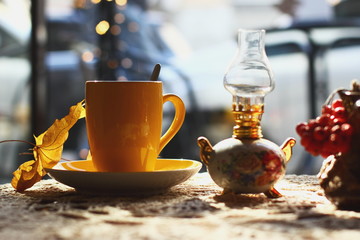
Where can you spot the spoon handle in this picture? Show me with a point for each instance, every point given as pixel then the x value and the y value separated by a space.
pixel 155 73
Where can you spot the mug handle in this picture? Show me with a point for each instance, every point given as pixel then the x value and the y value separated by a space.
pixel 177 121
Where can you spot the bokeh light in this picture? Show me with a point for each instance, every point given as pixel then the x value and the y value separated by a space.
pixel 121 2
pixel 126 63
pixel 102 27
pixel 115 30
pixel 95 1
pixel 87 56
pixel 119 18
pixel 112 64
pixel 133 27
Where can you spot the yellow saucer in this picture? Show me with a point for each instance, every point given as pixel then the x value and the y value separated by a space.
pixel 82 176
pixel 161 165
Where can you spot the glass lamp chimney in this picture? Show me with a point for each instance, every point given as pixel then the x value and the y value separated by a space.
pixel 249 78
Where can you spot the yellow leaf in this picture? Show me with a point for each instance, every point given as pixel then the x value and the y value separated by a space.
pixel 48 150
pixel 26 176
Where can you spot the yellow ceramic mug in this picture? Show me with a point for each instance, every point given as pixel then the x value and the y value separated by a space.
pixel 124 124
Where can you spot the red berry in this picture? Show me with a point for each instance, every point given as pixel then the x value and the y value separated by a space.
pixel 328 147
pixel 312 124
pixel 338 121
pixel 306 140
pixel 339 112
pixel 337 103
pixel 301 128
pixel 319 134
pixel 325 154
pixel 337 141
pixel 313 151
pixel 326 109
pixel 328 134
pixel 336 129
pixel 323 120
pixel 347 129
pixel 327 129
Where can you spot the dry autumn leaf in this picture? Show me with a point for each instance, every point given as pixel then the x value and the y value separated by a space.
pixel 47 150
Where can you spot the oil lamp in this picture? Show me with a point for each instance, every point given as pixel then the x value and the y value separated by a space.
pixel 246 162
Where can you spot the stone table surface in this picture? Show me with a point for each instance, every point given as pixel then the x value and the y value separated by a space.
pixel 196 209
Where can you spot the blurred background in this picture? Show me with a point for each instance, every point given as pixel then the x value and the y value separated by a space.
pixel 49 48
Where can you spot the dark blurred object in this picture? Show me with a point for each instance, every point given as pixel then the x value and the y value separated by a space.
pixel 340 174
pixel 347 9
pixel 288 6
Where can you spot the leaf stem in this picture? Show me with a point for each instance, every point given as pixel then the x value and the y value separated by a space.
pixel 26 153
pixel 22 141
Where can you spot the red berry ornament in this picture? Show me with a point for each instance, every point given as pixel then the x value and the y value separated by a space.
pixel 329 133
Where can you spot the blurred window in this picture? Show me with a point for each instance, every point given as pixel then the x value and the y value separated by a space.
pixel 15 73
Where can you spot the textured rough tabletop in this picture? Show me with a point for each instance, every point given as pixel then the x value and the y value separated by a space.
pixel 195 209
